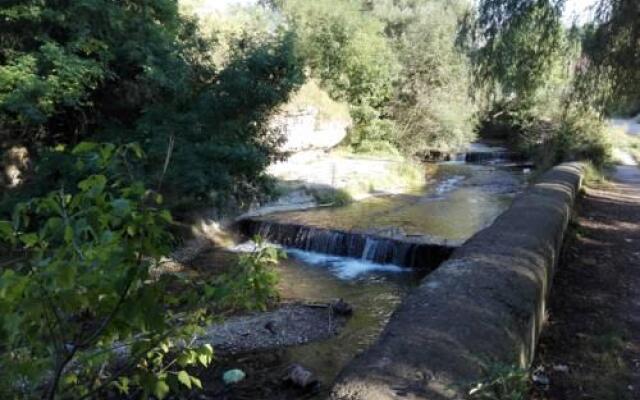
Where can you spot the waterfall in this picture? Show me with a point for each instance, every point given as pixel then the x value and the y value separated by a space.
pixel 377 249
pixel 487 156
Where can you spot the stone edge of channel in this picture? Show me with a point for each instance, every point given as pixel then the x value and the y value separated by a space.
pixel 483 308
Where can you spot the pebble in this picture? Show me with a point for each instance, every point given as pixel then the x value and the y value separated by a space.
pixel 233 376
pixel 541 378
pixel 561 368
pixel 299 376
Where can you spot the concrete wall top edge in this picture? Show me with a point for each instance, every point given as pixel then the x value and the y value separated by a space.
pixel 483 306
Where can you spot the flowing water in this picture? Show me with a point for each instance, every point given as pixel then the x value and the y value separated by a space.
pixel 458 200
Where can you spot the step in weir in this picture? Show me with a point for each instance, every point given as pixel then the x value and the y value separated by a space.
pixel 378 249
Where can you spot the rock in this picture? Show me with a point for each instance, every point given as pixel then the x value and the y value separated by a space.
pixel 540 378
pixel 233 376
pixel 270 326
pixel 561 368
pixel 300 377
pixel 341 307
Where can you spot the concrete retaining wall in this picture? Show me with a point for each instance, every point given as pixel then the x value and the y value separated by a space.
pixel 483 307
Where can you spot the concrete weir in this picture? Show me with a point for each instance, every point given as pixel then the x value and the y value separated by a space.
pixel 374 248
pixel 482 308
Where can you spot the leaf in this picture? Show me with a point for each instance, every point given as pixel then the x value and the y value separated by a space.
pixel 121 207
pixel 71 379
pixel 93 185
pixel 84 147
pixel 137 150
pixel 161 389
pixel 29 239
pixel 184 378
pixel 205 355
pixel 122 384
pixel 66 276
pixel 196 382
pixel 165 347
pixel 6 230
pixel 68 234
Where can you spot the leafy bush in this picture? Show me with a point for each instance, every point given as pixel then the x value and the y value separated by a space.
pixel 347 52
pixel 250 284
pixel 432 105
pixel 577 133
pixel 82 290
pixel 581 136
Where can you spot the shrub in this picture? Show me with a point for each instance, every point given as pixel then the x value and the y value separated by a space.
pixel 82 290
pixel 250 284
pixel 581 136
pixel 331 196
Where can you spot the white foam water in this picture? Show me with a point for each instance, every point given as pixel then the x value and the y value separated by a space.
pixel 346 268
pixel 343 267
pixel 449 184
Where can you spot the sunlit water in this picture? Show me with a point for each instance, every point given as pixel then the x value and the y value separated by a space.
pixel 458 200
pixel 374 291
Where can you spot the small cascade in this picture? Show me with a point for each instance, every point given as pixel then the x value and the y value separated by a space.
pixel 372 248
pixel 492 156
pixel 484 156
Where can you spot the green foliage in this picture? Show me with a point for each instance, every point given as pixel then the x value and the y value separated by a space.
pixel 225 143
pixel 82 289
pixel 398 66
pixel 581 137
pixel 535 76
pixel 250 285
pixel 331 196
pixel 432 106
pixel 519 42
pixel 346 50
pixel 503 382
pixel 139 71
pixel 312 95
pixel 577 133
pixel 611 42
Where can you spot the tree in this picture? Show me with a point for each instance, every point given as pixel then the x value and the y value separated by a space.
pixel 613 69
pixel 518 44
pixel 432 103
pixel 345 49
pixel 138 70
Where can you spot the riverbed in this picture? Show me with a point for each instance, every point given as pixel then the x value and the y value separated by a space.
pixel 457 200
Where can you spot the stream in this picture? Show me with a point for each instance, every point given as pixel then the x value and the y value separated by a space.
pixel 458 200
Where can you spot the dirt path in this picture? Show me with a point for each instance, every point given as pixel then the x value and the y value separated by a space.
pixel 591 346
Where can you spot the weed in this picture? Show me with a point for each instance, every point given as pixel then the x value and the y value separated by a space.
pixel 331 196
pixel 502 382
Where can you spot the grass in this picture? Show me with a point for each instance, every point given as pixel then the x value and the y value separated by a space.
pixel 503 382
pixel 346 151
pixel 399 176
pixel 624 142
pixel 594 176
pixel 331 196
pixel 609 375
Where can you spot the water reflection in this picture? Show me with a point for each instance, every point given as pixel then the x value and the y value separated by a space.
pixel 458 201
pixel 373 295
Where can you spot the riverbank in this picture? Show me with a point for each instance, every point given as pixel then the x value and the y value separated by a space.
pixel 591 346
